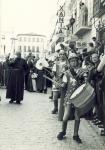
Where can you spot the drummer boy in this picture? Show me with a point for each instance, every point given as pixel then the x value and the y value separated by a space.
pixel 70 80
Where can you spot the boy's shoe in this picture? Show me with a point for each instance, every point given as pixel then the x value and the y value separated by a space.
pixel 77 139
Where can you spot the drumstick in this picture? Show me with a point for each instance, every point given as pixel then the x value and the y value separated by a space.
pixel 48 71
pixel 52 80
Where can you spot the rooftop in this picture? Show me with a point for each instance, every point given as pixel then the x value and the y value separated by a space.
pixel 30 34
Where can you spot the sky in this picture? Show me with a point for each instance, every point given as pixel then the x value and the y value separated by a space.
pixel 28 16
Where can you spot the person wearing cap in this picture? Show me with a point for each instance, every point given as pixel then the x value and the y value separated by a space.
pixel 58 69
pixel 15 86
pixel 70 80
pixel 72 48
pixel 99 46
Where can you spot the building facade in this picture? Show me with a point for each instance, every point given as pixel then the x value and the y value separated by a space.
pixel 36 44
pixel 83 20
pixel 79 19
pixel 26 43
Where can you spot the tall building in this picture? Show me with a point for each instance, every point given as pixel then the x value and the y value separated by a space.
pixel 34 43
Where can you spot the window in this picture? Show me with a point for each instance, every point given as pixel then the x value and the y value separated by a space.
pixel 33 39
pixel 37 49
pixel 33 48
pixel 29 49
pixel 37 39
pixel 20 48
pixel 24 48
pixel 41 40
pixel 20 39
pixel 24 39
pixel 29 39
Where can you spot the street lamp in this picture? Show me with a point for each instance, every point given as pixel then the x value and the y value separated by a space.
pixel 72 21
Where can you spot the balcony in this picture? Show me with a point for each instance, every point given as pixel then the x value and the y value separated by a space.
pixel 80 27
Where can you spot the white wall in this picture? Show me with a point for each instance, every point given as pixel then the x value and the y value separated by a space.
pixel 40 44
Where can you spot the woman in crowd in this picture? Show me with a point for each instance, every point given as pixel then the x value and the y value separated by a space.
pixel 41 83
pixel 101 68
pixel 31 84
pixel 94 80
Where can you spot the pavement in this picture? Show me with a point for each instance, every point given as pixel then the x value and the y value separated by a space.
pixel 31 126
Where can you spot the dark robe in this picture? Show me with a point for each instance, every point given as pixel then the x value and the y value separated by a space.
pixel 32 69
pixel 15 84
pixel 29 83
pixel 40 80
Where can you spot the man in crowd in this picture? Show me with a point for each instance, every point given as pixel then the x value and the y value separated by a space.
pixel 58 69
pixel 99 46
pixel 101 68
pixel 15 85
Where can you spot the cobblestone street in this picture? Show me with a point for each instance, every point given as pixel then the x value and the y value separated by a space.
pixel 31 126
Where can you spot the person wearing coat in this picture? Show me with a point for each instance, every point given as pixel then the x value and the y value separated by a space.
pixel 15 84
pixel 101 68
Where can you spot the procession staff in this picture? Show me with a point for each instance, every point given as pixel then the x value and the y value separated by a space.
pixel 15 84
pixel 58 69
pixel 5 68
pixel 71 81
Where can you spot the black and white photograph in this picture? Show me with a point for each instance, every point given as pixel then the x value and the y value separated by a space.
pixel 52 74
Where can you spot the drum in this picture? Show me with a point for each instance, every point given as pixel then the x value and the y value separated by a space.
pixel 83 98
